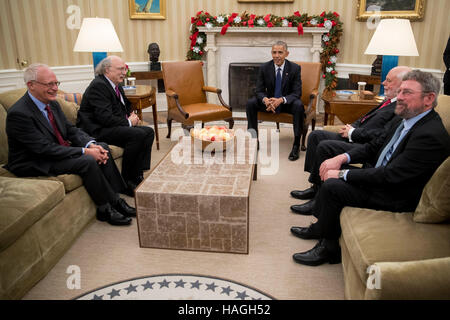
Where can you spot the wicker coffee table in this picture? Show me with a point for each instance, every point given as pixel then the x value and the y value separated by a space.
pixel 197 206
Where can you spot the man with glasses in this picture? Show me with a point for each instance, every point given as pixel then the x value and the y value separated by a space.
pixel 42 142
pixel 398 164
pixel 106 114
pixel 369 126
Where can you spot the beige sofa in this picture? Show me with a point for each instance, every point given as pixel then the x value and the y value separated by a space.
pixel 388 255
pixel 40 217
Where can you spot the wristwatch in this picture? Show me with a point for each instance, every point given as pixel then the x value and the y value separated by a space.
pixel 341 174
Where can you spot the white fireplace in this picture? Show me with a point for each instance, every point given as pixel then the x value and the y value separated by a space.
pixel 254 45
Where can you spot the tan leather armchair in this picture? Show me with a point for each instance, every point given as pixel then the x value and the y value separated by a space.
pixel 186 96
pixel 310 74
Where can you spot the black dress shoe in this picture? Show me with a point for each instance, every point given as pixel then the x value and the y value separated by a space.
pixel 113 217
pixel 304 233
pixel 294 153
pixel 122 207
pixel 139 179
pixel 305 209
pixel 321 253
pixel 131 186
pixel 306 194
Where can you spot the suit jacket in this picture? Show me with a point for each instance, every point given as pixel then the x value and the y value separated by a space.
pixel 291 83
pixel 101 108
pixel 375 123
pixel 447 62
pixel 32 142
pixel 400 183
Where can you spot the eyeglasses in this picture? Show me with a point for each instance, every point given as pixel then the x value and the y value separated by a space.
pixel 408 92
pixel 49 84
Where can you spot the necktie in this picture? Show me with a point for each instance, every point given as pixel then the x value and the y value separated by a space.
pixel 117 92
pixel 55 127
pixel 389 149
pixel 278 84
pixel 387 102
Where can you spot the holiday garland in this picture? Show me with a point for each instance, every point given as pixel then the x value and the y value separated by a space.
pixel 329 20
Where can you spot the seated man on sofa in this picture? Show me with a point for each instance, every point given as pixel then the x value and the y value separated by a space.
pixel 367 127
pixel 398 164
pixel 105 113
pixel 42 142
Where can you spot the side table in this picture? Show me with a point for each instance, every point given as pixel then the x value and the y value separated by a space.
pixel 141 98
pixel 347 110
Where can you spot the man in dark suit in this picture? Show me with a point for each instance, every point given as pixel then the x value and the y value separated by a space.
pixel 366 128
pixel 42 142
pixel 398 164
pixel 105 113
pixel 278 89
pixel 446 57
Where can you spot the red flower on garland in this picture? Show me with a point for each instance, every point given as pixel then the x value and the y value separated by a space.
pixel 269 25
pixel 296 13
pixel 267 18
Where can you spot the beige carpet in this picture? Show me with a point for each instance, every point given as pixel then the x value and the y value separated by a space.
pixel 107 254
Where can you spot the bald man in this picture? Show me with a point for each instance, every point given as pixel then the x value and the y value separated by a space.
pixel 105 113
pixel 363 130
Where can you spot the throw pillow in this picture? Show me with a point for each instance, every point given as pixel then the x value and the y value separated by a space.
pixel 434 205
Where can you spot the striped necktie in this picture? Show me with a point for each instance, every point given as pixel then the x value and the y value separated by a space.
pixel 389 149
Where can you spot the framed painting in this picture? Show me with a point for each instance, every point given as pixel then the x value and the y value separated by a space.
pixel 405 9
pixel 265 1
pixel 147 9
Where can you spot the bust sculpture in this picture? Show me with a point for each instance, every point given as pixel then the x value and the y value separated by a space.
pixel 153 51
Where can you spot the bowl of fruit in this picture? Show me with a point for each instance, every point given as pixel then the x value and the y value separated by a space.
pixel 214 137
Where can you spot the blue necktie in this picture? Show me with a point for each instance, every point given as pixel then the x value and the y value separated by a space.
pixel 278 84
pixel 389 149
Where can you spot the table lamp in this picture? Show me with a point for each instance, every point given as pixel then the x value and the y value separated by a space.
pixel 392 38
pixel 97 35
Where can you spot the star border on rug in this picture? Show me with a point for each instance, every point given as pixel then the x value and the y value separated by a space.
pixel 183 283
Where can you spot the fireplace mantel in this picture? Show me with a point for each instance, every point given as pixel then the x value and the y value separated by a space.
pixel 241 44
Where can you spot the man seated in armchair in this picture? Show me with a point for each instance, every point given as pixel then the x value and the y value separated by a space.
pixel 278 89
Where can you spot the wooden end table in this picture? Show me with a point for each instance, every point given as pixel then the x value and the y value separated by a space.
pixel 141 98
pixel 347 110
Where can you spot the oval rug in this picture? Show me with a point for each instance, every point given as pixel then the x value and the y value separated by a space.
pixel 176 287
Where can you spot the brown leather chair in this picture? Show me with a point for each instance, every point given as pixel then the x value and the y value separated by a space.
pixel 186 96
pixel 310 74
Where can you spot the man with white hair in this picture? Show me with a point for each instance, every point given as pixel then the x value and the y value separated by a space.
pixel 43 143
pixel 366 128
pixel 105 113
pixel 397 166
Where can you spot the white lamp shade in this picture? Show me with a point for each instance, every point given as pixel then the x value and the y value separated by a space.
pixel 97 35
pixel 393 37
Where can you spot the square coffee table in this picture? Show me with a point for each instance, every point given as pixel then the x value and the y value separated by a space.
pixel 196 204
